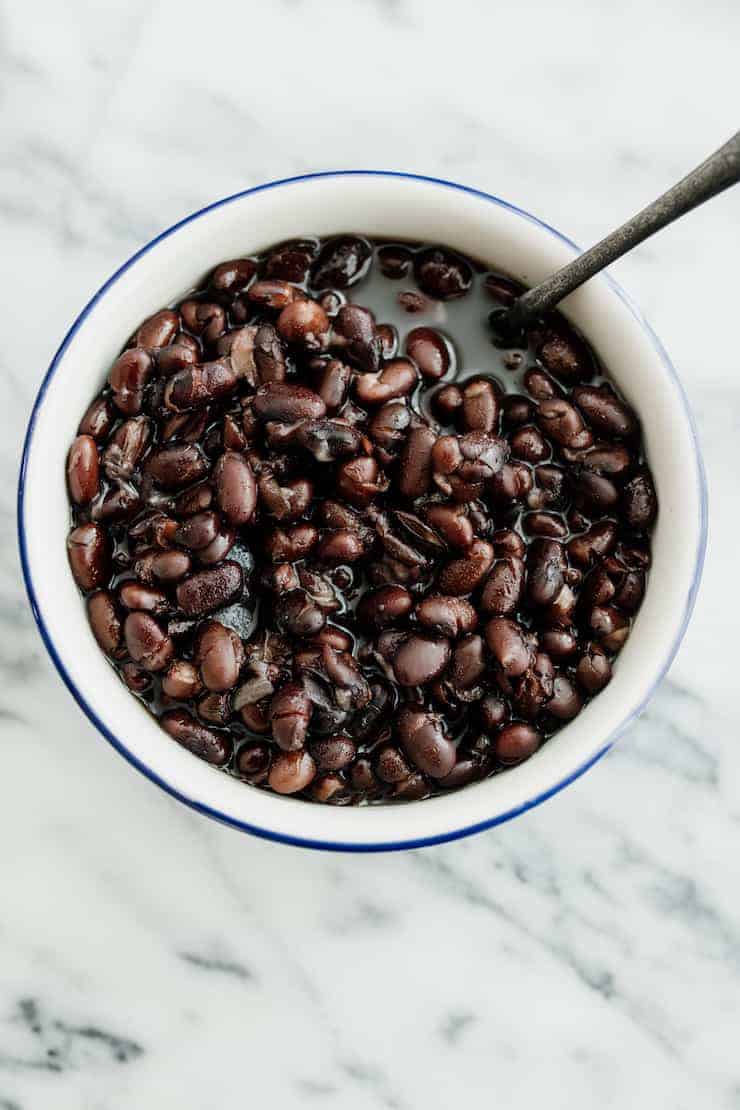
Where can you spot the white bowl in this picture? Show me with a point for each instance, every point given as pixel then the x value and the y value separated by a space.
pixel 386 205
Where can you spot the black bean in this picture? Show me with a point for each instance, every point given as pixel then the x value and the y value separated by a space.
pixel 502 591
pixel 430 351
pixel 419 659
pixel 181 680
pixel 425 741
pixel 396 379
pixel 442 274
pixel 291 772
pixel 253 761
pixel 333 753
pixel 291 260
pixel 146 642
pixel 509 645
pixel 604 411
pixel 207 590
pixel 341 262
pixel 83 470
pixel 128 379
pixel 446 616
pixel 639 503
pixel 304 323
pixel 461 576
pixel 201 741
pixel 515 743
pixel 356 335
pixel 480 406
pixel 173 467
pixel 236 489
pixel 105 622
pixel 545 567
pixel 89 556
pixel 98 420
pixel 594 670
pixel 565 702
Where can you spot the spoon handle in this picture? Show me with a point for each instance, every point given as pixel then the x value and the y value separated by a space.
pixel 716 173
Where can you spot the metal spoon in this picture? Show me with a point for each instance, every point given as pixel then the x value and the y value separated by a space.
pixel 718 172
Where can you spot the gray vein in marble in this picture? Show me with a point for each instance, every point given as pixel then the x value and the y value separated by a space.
pixel 600 979
pixel 64 1045
pixel 454 1026
pixel 222 967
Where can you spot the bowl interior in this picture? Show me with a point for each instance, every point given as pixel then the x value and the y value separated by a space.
pixel 382 206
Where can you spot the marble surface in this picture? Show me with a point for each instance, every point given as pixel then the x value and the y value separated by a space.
pixel 587 954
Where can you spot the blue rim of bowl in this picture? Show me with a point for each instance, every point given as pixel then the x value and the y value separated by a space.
pixel 327 845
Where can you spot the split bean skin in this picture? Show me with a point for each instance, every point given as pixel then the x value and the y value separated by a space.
pixel 335 550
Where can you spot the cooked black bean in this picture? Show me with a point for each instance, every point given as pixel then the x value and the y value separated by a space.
pixel 98 420
pixel 298 615
pixel 341 262
pixel 596 541
pixel 146 642
pixel 356 335
pixel 528 445
pixel 83 470
pixel 468 662
pixel 213 747
pixel 493 712
pixel 594 669
pixel 452 523
pixel 196 386
pixel 233 276
pixel 304 323
pixel 253 761
pixel 286 402
pixel 332 383
pixel 105 622
pixel 461 576
pixel 515 743
pixel 396 379
pixel 561 422
pixel 564 353
pixel 424 739
pixel 545 567
pixel 210 589
pixel 604 411
pixel 509 645
pixel 443 274
pixel 334 753
pixel 89 556
pixel 236 489
pixel 360 481
pixel 173 467
pixel 219 653
pixel 128 379
pixel 447 616
pixel 419 659
pixel 502 591
pixel 181 680
pixel 390 765
pixel 639 502
pixel 540 385
pixel 384 606
pixel 592 492
pixel 290 261
pixel 447 403
pixel 429 351
pixel 309 542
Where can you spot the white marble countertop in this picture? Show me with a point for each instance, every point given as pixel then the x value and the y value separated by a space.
pixel 587 954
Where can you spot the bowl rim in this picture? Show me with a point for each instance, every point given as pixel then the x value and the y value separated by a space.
pixel 330 845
